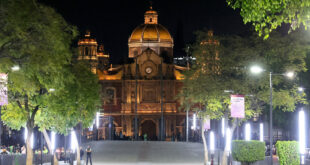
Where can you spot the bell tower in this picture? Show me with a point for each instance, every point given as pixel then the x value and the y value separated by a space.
pixel 88 50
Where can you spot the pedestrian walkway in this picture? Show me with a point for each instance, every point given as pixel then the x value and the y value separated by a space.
pixel 146 153
pixel 152 153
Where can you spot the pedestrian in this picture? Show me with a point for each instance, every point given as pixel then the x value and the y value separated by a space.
pixel 23 150
pixel 81 153
pixel 45 150
pixel 145 137
pixel 88 155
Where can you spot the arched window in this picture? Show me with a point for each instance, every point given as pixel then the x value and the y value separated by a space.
pixel 150 19
pixel 110 95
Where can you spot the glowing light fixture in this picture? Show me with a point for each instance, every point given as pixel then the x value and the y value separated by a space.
pixel 53 141
pixel 302 135
pixel 15 68
pixel 301 89
pixel 289 74
pixel 228 139
pixel 261 132
pixel 256 69
pixel 97 119
pixel 74 142
pixel 247 132
pixel 223 127
pixel 212 142
pixel 194 122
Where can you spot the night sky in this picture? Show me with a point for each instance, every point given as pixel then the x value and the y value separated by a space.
pixel 111 22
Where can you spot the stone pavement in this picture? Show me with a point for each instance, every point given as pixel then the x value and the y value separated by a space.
pixel 145 153
pixel 152 153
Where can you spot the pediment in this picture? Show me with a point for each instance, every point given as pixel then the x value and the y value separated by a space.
pixel 147 56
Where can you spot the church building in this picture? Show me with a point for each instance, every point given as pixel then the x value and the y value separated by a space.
pixel 144 89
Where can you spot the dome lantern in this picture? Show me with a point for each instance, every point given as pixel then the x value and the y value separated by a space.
pixel 151 16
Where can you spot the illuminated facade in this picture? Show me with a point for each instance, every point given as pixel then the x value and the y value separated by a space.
pixel 147 86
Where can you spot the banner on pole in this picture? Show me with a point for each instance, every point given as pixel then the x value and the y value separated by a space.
pixel 206 124
pixel 3 89
pixel 237 106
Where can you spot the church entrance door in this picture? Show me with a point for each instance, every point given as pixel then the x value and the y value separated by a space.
pixel 149 127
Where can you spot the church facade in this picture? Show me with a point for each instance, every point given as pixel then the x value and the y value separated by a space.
pixel 144 89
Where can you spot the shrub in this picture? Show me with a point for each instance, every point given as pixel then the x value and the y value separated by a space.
pixel 288 152
pixel 248 151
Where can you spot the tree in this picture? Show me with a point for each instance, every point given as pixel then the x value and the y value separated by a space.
pixel 267 16
pixel 38 40
pixel 73 106
pixel 222 64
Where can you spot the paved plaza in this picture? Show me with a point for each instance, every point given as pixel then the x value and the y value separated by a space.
pixel 146 153
pixel 152 153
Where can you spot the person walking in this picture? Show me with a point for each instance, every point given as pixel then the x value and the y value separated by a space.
pixel 81 153
pixel 88 155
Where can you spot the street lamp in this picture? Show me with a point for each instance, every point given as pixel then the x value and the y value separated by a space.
pixel 15 68
pixel 256 70
pixel 301 89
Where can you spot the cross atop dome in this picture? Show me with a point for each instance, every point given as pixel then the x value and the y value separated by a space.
pixel 151 16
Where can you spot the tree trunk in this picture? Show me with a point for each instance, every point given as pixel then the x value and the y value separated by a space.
pixel 28 145
pixel 224 157
pixel 47 139
pixel 205 148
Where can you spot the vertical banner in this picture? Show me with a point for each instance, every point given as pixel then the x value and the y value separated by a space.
pixel 237 106
pixel 206 124
pixel 3 89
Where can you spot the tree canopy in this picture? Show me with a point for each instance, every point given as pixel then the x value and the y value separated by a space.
pixel 223 63
pixel 268 15
pixel 50 90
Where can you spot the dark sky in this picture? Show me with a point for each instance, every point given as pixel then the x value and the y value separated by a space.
pixel 112 21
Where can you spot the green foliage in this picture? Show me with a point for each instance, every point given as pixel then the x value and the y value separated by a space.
pixel 77 102
pixel 204 86
pixel 267 15
pixel 248 151
pixel 38 40
pixel 288 152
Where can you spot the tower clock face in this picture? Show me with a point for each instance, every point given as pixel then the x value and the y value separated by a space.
pixel 148 70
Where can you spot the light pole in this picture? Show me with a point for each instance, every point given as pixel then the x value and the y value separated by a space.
pixel 257 70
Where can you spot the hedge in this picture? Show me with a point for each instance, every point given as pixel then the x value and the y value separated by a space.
pixel 288 152
pixel 248 151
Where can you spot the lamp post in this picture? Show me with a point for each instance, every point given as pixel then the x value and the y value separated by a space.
pixel 257 70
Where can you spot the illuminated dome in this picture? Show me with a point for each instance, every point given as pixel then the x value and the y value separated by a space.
pixel 150 35
pixel 150 32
